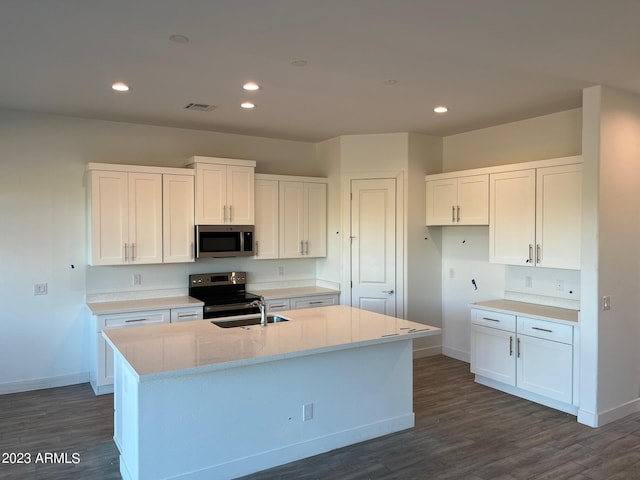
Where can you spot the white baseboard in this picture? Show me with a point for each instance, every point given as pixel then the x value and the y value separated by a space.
pixel 427 351
pixel 457 354
pixel 41 383
pixel 617 413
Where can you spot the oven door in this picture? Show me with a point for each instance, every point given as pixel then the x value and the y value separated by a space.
pixel 224 240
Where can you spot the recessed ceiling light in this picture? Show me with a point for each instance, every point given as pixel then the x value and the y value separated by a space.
pixel 179 39
pixel 120 87
pixel 299 63
pixel 441 109
pixel 248 105
pixel 251 86
pixel 390 82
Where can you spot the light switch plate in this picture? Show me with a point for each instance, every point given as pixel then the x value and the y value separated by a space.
pixel 606 302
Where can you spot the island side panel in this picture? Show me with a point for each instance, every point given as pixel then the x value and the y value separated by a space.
pixel 236 421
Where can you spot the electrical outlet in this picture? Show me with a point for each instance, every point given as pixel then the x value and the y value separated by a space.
pixel 137 279
pixel 40 289
pixel 606 302
pixel 307 412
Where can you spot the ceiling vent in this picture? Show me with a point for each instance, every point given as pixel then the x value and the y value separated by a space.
pixel 200 107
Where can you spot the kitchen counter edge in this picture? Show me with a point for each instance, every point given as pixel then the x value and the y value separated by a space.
pixel 532 310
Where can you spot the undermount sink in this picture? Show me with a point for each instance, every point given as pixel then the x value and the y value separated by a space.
pixel 245 322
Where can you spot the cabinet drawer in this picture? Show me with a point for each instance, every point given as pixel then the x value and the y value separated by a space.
pixel 315 301
pixel 558 332
pixel 186 314
pixel 278 305
pixel 488 318
pixel 132 319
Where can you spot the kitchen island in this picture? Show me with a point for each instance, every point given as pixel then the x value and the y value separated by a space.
pixel 197 401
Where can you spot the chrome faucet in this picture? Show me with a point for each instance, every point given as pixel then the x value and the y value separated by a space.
pixel 263 310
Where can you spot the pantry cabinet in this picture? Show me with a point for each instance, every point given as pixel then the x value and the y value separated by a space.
pixel 125 217
pixel 291 217
pixel 224 191
pixel 458 200
pixel 535 217
pixel 526 356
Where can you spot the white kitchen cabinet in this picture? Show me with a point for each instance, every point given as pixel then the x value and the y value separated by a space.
pixel 224 191
pixel 458 200
pixel 125 217
pixel 535 217
pixel 278 304
pixel 101 369
pixel 178 218
pixel 267 215
pixel 302 219
pixel 186 314
pixel 314 301
pixel 526 355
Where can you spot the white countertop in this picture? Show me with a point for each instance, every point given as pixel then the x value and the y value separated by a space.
pixel 533 310
pixel 159 303
pixel 291 292
pixel 155 351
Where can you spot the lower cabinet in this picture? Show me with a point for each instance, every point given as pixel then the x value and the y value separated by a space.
pixel 101 370
pixel 532 355
pixel 186 314
pixel 293 303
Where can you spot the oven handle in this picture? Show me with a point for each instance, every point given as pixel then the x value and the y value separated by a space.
pixel 224 308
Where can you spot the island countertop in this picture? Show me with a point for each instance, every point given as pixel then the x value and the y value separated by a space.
pixel 155 351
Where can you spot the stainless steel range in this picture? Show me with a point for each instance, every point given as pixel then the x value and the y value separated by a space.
pixel 224 294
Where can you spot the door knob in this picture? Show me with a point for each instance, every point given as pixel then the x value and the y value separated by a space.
pixel 387 291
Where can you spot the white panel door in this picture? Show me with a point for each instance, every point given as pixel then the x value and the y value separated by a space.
pixel 512 217
pixel 315 219
pixel 473 200
pixel 145 218
pixel 211 194
pixel 266 211
pixel 558 214
pixel 109 217
pixel 373 245
pixel 178 218
pixel 442 198
pixel 492 354
pixel 240 195
pixel 291 198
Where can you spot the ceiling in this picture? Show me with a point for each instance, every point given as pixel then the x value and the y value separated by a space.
pixel 489 61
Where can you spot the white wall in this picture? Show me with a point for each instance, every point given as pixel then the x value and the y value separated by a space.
pixel 44 339
pixel 614 335
pixel 465 250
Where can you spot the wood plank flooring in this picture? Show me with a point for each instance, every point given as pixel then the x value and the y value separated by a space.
pixel 463 431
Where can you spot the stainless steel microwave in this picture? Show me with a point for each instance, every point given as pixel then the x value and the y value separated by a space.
pixel 224 241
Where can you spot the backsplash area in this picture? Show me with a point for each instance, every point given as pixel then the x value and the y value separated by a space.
pixel 548 286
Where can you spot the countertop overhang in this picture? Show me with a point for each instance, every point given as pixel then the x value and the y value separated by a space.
pixel 162 350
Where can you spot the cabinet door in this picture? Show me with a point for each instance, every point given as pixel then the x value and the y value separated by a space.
pixel 266 211
pixel 315 219
pixel 492 354
pixel 314 301
pixel 278 305
pixel 512 208
pixel 186 314
pixel 291 208
pixel 473 200
pixel 211 194
pixel 178 218
pixel 145 218
pixel 545 367
pixel 108 217
pixel 558 216
pixel 442 198
pixel 240 193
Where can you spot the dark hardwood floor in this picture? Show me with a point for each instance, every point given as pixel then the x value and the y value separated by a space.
pixel 463 431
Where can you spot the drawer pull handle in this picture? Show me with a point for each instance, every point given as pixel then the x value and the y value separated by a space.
pixel 518 347
pixel 491 319
pixel 316 303
pixel 510 346
pixel 133 320
pixel 542 329
pixel 281 305
pixel 187 315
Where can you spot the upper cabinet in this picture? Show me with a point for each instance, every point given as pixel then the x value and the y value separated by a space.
pixel 458 200
pixel 291 217
pixel 535 216
pixel 224 190
pixel 130 219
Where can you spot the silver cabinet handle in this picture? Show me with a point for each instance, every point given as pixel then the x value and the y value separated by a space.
pixel 281 305
pixel 453 213
pixel 518 347
pixel 317 302
pixel 301 247
pixel 187 315
pixel 530 259
pixel 126 252
pixel 388 291
pixel 538 253
pixel 133 252
pixel 230 215
pixel 510 346
pixel 134 320
pixel 491 319
pixel 224 214
pixel 542 329
pixel 307 249
pixel 257 244
pixel 458 210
